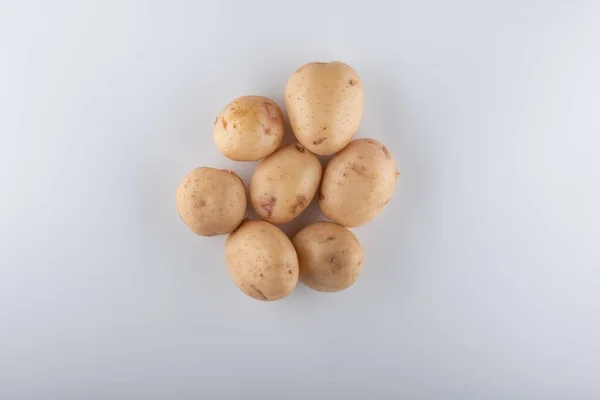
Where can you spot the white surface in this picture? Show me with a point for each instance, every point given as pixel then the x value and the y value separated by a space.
pixel 482 276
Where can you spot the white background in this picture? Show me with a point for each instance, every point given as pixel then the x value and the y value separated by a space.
pixel 482 276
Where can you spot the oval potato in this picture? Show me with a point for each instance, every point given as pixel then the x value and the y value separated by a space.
pixel 330 256
pixel 249 128
pixel 357 183
pixel 284 183
pixel 324 102
pixel 211 201
pixel 261 260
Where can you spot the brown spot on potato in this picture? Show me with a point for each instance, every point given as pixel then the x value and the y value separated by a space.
pixel 202 203
pixel 321 196
pixel 267 131
pixel 359 169
pixel 352 81
pixel 299 204
pixel 224 122
pixel 319 141
pixel 268 207
pixel 300 148
pixel 290 271
pixel 328 239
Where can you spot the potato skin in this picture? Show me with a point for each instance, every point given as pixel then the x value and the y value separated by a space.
pixel 285 183
pixel 329 255
pixel 261 260
pixel 357 183
pixel 249 128
pixel 211 201
pixel 324 102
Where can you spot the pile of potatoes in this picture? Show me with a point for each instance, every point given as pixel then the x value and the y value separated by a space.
pixel 324 103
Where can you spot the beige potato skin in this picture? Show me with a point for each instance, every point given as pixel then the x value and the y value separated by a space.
pixel 285 183
pixel 261 260
pixel 211 201
pixel 329 255
pixel 249 128
pixel 324 102
pixel 357 183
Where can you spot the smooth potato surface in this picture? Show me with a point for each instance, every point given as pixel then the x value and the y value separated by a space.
pixel 324 102
pixel 262 260
pixel 284 183
pixel 211 201
pixel 249 128
pixel 330 256
pixel 357 183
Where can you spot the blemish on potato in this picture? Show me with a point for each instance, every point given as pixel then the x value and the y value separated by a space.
pixel 268 207
pixel 386 151
pixel 359 169
pixel 300 148
pixel 224 122
pixel 319 141
pixel 271 112
pixel 257 293
pixel 299 204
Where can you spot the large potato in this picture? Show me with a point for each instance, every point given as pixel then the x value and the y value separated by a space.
pixel 211 201
pixel 329 255
pixel 261 260
pixel 284 183
pixel 357 183
pixel 249 128
pixel 324 102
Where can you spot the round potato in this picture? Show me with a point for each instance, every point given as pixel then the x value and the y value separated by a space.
pixel 249 128
pixel 357 183
pixel 329 255
pixel 284 183
pixel 211 201
pixel 261 260
pixel 324 102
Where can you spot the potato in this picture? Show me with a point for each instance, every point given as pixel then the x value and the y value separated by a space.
pixel 284 183
pixel 357 183
pixel 249 128
pixel 324 102
pixel 261 260
pixel 211 201
pixel 330 256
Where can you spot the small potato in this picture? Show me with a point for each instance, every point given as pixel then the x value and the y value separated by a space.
pixel 329 255
pixel 324 102
pixel 357 183
pixel 261 260
pixel 284 183
pixel 211 201
pixel 249 128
